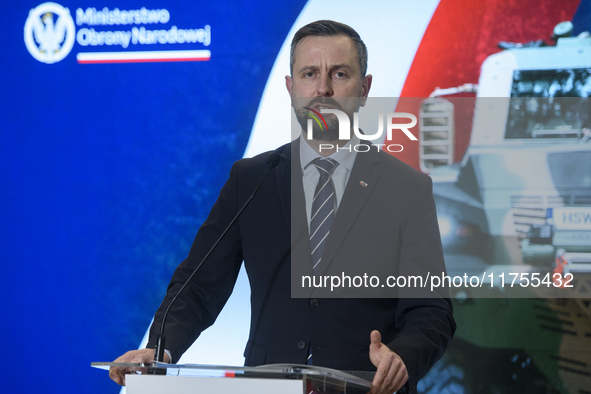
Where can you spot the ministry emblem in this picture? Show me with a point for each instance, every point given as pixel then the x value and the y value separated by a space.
pixel 49 32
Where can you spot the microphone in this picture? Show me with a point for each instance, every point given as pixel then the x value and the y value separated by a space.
pixel 160 340
pixel 273 160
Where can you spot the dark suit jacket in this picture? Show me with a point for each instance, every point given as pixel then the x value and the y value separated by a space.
pixel 393 219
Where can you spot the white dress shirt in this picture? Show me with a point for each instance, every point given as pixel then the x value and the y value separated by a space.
pixel 340 176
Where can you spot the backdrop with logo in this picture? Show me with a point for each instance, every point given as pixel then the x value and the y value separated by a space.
pixel 120 122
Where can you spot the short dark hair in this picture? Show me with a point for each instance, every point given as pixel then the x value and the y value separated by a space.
pixel 328 28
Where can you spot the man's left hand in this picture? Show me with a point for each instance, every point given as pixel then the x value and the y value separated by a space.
pixel 391 374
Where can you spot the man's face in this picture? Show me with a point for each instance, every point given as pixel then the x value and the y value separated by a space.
pixel 325 71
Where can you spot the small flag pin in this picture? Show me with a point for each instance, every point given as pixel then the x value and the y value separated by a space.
pixel 363 184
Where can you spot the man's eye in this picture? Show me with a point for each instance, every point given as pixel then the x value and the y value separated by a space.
pixel 340 74
pixel 309 74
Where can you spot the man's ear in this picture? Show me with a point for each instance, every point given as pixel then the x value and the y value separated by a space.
pixel 365 86
pixel 288 83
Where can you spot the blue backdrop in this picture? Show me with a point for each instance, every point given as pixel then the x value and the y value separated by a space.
pixel 107 171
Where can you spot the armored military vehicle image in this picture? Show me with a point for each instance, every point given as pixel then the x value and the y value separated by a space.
pixel 518 205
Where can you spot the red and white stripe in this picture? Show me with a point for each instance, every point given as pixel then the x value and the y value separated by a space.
pixel 143 57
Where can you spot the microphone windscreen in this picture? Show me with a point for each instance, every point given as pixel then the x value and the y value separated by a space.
pixel 275 157
pixel 273 160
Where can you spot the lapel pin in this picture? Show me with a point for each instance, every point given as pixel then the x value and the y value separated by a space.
pixel 363 184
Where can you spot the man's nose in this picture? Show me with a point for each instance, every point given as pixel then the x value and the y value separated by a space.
pixel 324 87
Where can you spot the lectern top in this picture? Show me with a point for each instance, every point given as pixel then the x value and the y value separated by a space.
pixel 334 378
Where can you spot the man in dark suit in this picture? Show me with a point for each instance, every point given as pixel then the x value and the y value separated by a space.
pixel 378 215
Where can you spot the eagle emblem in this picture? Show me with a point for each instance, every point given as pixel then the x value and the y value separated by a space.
pixel 49 32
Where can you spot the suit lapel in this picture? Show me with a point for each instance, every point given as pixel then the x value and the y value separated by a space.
pixel 291 190
pixel 362 181
pixel 283 174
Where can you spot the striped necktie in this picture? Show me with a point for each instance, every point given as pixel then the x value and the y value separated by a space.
pixel 323 209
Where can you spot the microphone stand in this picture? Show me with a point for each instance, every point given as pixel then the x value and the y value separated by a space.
pixel 160 339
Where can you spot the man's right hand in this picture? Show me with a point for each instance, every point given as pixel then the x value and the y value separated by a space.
pixel 133 356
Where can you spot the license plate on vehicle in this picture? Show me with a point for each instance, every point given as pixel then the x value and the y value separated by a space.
pixel 565 238
pixel 572 218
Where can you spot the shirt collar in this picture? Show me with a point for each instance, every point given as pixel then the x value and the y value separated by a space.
pixel 345 158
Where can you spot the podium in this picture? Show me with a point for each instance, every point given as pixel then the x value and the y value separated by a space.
pixel 266 379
